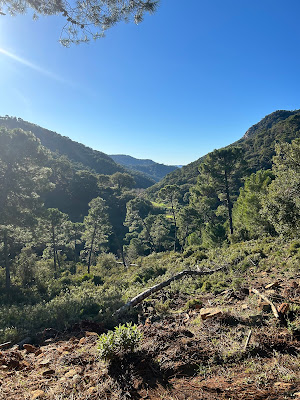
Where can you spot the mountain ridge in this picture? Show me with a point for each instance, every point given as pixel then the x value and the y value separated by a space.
pixel 82 156
pixel 154 170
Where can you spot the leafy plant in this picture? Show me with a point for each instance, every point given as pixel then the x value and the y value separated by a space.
pixel 124 339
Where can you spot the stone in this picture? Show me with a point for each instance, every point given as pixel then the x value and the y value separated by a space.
pixel 213 312
pixel 283 308
pixel 37 394
pixel 91 333
pixel 91 390
pixel 49 372
pixel 38 352
pixel 264 306
pixel 272 285
pixel 71 373
pixel 29 348
pixel 45 362
pixel 297 395
pixel 82 341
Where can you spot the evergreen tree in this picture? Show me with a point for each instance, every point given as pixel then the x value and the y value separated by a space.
pixel 84 19
pixel 281 205
pixel 170 194
pixel 56 226
pixel 247 211
pixel 23 178
pixel 96 228
pixel 220 175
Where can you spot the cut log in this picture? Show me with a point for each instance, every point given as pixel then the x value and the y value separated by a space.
pixel 265 298
pixel 142 296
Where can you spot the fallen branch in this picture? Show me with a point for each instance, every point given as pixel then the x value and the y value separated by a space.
pixel 2 345
pixel 142 296
pixel 265 298
pixel 248 340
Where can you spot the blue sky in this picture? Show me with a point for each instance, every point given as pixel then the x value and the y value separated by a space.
pixel 191 78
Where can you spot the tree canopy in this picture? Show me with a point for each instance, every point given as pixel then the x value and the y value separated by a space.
pixel 83 19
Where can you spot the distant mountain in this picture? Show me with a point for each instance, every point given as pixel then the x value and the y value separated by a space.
pixel 150 168
pixel 258 143
pixel 81 156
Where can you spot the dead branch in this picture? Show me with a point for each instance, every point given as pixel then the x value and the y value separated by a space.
pixel 142 296
pixel 265 298
pixel 248 340
pixel 2 345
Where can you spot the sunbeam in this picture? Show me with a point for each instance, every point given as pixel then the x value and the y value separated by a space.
pixel 29 64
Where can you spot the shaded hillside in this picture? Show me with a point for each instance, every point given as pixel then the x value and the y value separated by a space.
pixel 150 168
pixel 82 157
pixel 258 143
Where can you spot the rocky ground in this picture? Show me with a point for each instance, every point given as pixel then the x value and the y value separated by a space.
pixel 229 346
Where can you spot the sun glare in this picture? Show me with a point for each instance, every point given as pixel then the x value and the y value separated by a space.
pixel 29 64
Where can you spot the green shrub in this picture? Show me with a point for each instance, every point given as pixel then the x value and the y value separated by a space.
pixel 124 339
pixel 192 304
pixel 294 248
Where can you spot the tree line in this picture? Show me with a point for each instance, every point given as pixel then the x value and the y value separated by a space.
pixel 51 212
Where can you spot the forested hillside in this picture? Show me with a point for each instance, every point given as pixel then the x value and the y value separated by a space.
pixel 81 156
pixel 258 144
pixel 152 169
pixel 76 246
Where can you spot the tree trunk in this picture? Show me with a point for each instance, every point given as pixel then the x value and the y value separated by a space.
pixel 6 263
pixel 54 248
pixel 175 226
pixel 229 205
pixel 91 249
pixel 142 296
pixel 149 235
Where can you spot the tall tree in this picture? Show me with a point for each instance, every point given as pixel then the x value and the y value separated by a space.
pixel 84 19
pixel 122 180
pixel 247 210
pixel 221 173
pixel 96 228
pixel 170 194
pixel 138 210
pixel 23 177
pixel 56 226
pixel 281 204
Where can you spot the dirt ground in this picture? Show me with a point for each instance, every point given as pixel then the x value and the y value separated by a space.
pixel 186 353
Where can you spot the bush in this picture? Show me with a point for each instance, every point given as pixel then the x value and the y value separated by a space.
pixel 124 339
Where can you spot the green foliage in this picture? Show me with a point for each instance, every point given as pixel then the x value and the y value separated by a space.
pixel 96 229
pixel 124 339
pixel 247 211
pixel 147 273
pixel 282 202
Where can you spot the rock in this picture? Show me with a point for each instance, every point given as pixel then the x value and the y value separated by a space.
pixel 37 394
pixel 264 306
pixel 272 285
pixel 91 334
pixel 38 352
pixel 49 372
pixel 213 312
pixel 283 386
pixel 283 308
pixel 82 341
pixel 245 306
pixel 45 362
pixel 71 373
pixel 29 348
pixel 297 395
pixel 91 390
